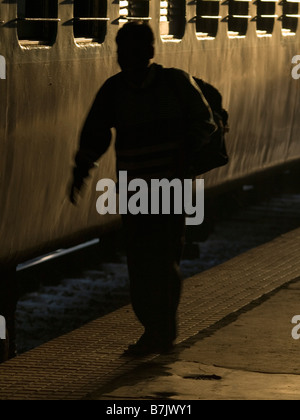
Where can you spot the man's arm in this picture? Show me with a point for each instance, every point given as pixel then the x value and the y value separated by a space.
pixel 94 140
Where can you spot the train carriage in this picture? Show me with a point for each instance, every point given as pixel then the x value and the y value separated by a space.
pixel 56 56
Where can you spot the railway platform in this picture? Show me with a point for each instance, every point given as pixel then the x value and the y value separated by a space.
pixel 236 341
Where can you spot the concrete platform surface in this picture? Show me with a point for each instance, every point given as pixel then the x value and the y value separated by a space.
pixel 250 356
pixel 235 342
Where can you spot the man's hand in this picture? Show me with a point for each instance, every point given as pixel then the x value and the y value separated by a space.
pixel 74 194
pixel 76 187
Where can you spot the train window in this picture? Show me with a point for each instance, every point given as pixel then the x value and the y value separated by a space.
pixel 37 21
pixel 90 20
pixel 289 18
pixel 134 10
pixel 265 18
pixel 172 19
pixel 207 19
pixel 238 17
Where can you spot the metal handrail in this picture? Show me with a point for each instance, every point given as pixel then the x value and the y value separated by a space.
pixel 241 16
pixel 25 19
pixel 205 17
pixel 82 19
pixel 135 18
pixel 289 15
pixel 209 17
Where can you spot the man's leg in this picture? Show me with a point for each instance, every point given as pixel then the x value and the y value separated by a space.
pixel 154 248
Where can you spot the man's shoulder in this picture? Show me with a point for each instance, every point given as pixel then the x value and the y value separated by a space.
pixel 178 73
pixel 108 88
pixel 182 79
pixel 112 81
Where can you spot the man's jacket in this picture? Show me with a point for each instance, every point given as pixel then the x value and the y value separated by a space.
pixel 155 125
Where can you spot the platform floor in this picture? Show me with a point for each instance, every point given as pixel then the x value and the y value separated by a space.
pixel 242 309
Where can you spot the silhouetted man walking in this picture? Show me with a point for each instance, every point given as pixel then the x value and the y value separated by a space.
pixel 154 134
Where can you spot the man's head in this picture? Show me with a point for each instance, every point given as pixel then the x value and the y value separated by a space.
pixel 135 43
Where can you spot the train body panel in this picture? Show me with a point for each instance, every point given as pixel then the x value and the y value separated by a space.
pixel 48 91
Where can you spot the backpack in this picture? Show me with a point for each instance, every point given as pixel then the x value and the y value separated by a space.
pixel 200 159
pixel 214 153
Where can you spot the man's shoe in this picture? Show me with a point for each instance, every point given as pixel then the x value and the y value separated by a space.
pixel 149 345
